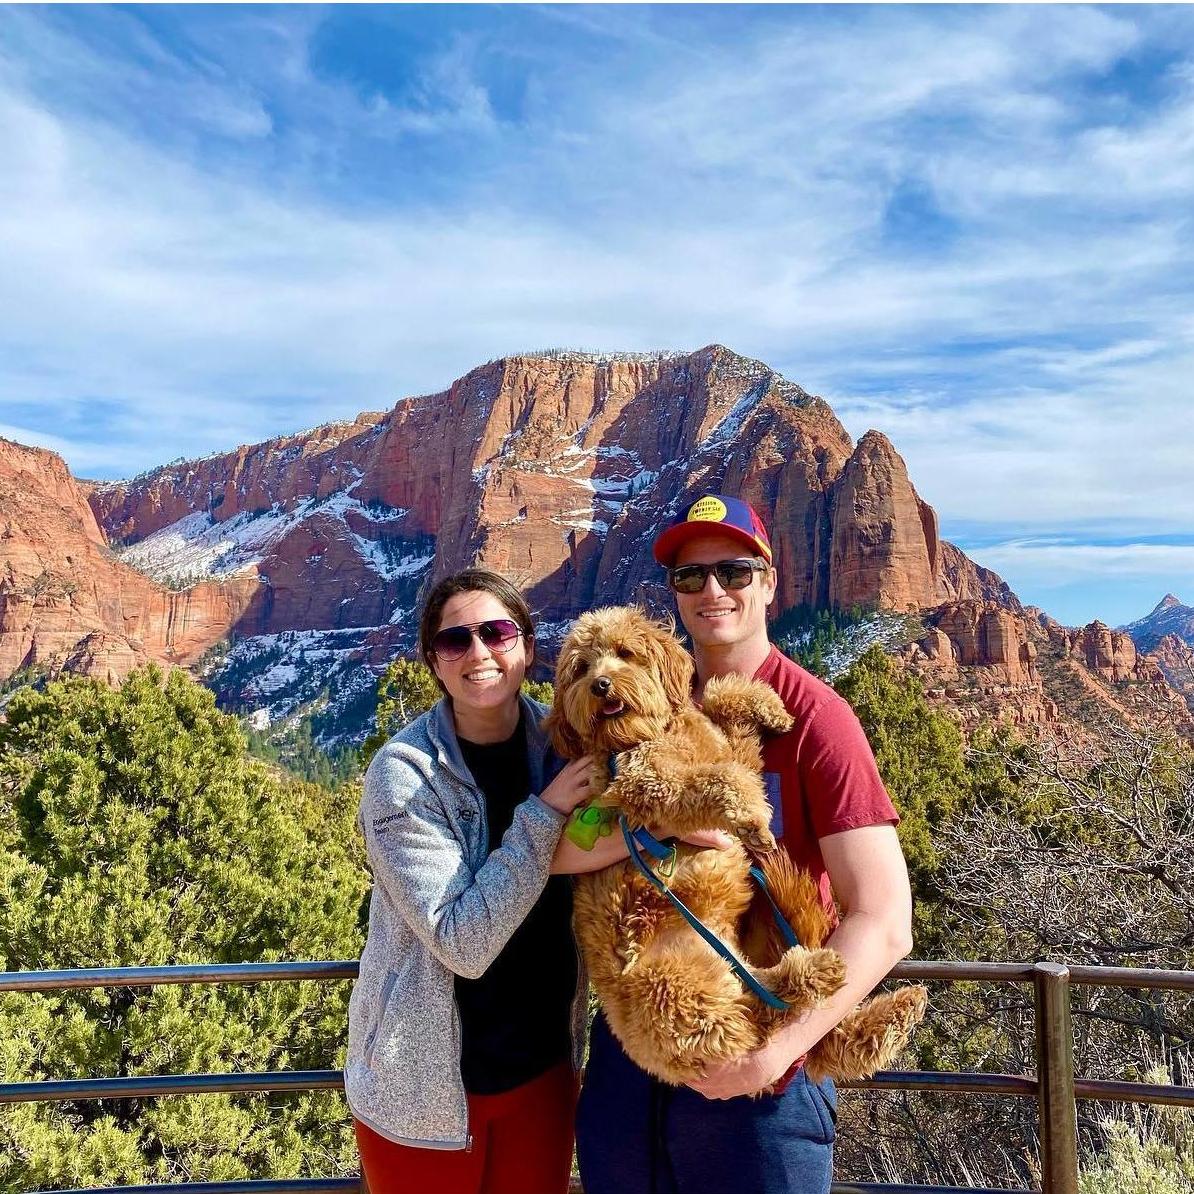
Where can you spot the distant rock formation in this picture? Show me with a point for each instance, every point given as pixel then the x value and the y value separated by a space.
pixel 1169 616
pixel 309 551
pixel 995 663
pixel 1175 657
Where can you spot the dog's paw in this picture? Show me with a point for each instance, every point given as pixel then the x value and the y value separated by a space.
pixel 734 701
pixel 755 835
pixel 827 973
pixel 637 786
pixel 770 712
pixel 805 978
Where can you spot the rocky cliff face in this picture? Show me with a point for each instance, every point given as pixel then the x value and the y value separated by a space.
pixel 557 469
pixel 63 597
pixel 1175 657
pixel 309 551
pixel 1020 666
pixel 980 658
pixel 1109 654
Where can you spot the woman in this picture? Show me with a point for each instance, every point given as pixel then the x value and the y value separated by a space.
pixel 467 1020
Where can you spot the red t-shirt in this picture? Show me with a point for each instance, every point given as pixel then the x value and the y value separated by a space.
pixel 822 770
pixel 821 776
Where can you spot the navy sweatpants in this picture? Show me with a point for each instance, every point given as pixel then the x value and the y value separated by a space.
pixel 638 1136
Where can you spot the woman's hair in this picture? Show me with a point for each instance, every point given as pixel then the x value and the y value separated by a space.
pixel 471 580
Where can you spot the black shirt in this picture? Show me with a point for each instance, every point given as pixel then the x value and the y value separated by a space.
pixel 515 1018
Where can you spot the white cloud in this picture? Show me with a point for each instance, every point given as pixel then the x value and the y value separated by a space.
pixel 1112 445
pixel 735 192
pixel 1054 563
pixel 126 71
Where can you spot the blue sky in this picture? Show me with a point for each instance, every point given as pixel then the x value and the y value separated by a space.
pixel 970 228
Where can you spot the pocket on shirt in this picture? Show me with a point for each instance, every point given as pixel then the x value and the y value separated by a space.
pixel 774 791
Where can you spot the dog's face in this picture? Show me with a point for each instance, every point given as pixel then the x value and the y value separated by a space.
pixel 620 679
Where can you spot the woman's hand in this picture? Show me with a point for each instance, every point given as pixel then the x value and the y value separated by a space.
pixel 571 787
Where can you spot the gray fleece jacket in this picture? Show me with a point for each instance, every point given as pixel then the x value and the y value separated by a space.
pixel 443 904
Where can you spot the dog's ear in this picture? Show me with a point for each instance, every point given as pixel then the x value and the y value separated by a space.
pixel 565 741
pixel 675 666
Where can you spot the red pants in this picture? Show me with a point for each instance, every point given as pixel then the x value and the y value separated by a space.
pixel 521 1144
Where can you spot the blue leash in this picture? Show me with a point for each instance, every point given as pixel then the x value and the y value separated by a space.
pixel 667 854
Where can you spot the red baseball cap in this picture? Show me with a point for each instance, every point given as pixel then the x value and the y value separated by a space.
pixel 714 514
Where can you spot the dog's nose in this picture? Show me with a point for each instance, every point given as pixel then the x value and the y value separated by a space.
pixel 601 685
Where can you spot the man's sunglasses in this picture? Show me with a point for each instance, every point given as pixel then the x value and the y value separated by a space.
pixel 731 574
pixel 498 634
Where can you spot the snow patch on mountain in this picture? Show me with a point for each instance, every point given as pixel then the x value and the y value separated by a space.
pixel 731 423
pixel 278 677
pixel 887 630
pixel 392 559
pixel 197 548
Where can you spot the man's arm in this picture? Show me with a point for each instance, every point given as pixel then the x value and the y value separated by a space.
pixel 870 882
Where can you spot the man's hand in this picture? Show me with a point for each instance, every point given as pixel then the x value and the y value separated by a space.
pixel 749 1074
pixel 867 869
pixel 709 839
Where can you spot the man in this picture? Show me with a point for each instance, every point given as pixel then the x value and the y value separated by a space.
pixel 831 812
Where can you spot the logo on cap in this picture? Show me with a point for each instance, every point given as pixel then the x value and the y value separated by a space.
pixel 709 514
pixel 708 509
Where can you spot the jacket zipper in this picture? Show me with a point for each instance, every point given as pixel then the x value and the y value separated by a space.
pixel 580 996
pixel 468 1136
pixel 483 833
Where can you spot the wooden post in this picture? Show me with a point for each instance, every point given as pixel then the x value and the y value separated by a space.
pixel 1055 1079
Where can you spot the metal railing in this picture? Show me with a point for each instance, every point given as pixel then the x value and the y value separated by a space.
pixel 1054 1088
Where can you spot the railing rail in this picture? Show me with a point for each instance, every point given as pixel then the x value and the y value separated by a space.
pixel 1055 1087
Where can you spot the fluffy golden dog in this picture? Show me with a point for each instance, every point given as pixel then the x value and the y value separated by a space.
pixel 623 688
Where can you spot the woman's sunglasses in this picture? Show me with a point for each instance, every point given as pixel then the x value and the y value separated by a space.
pixel 498 634
pixel 731 574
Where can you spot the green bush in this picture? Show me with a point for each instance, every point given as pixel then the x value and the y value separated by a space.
pixel 135 830
pixel 1150 1152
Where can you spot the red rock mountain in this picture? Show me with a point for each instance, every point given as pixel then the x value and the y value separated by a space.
pixel 557 468
pixel 64 599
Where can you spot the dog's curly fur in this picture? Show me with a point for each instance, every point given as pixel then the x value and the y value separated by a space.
pixel 623 687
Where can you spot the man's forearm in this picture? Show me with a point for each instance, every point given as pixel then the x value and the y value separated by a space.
pixel 870 945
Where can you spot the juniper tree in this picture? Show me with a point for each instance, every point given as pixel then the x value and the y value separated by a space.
pixel 135 830
pixel 407 688
pixel 921 756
